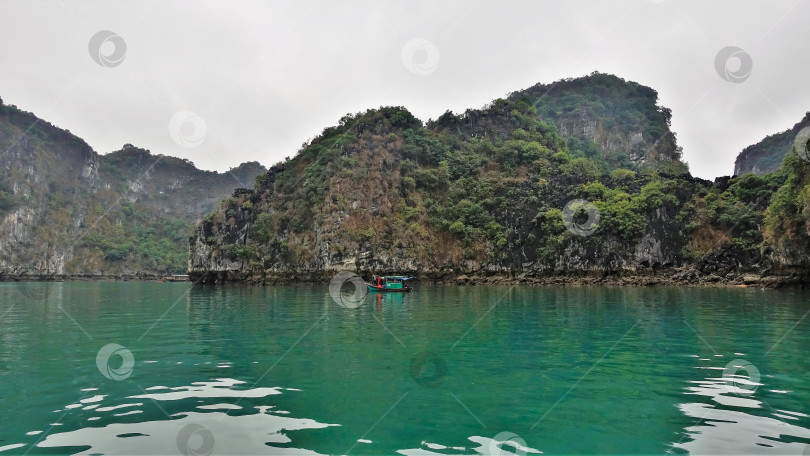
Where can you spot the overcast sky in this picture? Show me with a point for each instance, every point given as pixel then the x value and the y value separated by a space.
pixel 221 83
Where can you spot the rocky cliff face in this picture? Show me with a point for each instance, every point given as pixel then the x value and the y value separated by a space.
pixel 223 246
pixel 29 239
pixel 607 118
pixel 766 156
pixel 497 194
pixel 170 185
pixel 65 210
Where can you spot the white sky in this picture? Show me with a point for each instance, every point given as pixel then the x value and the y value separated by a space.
pixel 264 76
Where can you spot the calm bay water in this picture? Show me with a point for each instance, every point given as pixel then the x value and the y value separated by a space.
pixel 443 370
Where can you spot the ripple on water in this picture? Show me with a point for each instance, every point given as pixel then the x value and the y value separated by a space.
pixel 262 432
pixel 485 446
pixel 11 447
pixel 119 406
pixel 736 421
pixel 220 387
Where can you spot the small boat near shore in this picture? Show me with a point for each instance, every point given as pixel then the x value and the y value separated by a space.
pixel 395 284
pixel 176 278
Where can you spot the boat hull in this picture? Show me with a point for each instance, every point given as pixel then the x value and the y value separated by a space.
pixel 387 290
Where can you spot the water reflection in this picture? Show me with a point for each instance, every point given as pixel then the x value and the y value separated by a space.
pixel 732 418
pixel 215 417
pixel 484 445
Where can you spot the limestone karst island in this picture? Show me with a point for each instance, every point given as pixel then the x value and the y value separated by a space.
pixel 404 228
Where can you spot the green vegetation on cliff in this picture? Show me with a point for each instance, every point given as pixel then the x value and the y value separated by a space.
pixel 580 175
pixel 504 189
pixel 485 188
pixel 615 123
pixel 766 156
pixel 6 197
pixel 787 220
pixel 66 210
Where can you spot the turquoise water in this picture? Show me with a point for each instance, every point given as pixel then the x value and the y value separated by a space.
pixel 442 370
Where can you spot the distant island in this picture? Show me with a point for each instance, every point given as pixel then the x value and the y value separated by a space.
pixel 767 155
pixel 67 211
pixel 579 181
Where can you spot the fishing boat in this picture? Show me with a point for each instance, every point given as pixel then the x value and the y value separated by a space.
pixel 177 278
pixel 396 284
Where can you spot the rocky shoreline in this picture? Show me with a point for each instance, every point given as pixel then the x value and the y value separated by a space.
pixel 681 277
pixel 677 279
pixel 77 277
